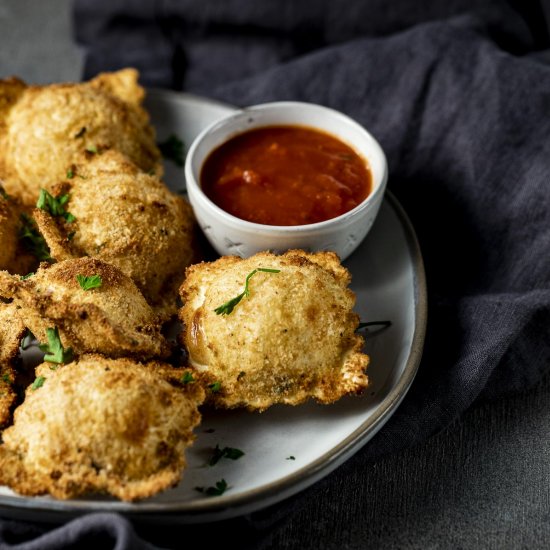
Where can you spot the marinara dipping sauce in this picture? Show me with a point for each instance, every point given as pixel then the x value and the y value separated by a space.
pixel 285 175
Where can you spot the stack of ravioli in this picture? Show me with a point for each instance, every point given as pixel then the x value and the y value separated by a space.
pixel 98 258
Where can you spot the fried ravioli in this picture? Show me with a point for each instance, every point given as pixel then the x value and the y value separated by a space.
pixel 15 255
pixel 290 339
pixel 113 318
pixel 9 224
pixel 100 426
pixel 44 130
pixel 129 219
pixel 11 333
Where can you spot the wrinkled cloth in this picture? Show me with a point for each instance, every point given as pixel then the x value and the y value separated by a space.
pixel 458 96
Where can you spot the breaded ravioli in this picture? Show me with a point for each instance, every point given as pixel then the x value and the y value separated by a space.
pixel 9 225
pixel 11 90
pixel 94 306
pixel 16 248
pixel 129 219
pixel 101 426
pixel 46 129
pixel 11 333
pixel 288 337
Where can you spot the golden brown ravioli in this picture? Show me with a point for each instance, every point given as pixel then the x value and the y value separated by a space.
pixel 15 254
pixel 129 219
pixel 9 224
pixel 292 338
pixel 113 319
pixel 44 130
pixel 100 425
pixel 11 333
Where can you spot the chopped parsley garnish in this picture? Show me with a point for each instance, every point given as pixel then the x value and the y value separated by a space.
pixel 92 149
pixel 6 378
pixel 70 174
pixel 88 283
pixel 55 205
pixel 80 132
pixel 173 149
pixel 219 489
pixel 54 350
pixel 3 193
pixel 226 452
pixel 215 387
pixel 229 306
pixel 346 156
pixel 291 457
pixel 28 275
pixel 32 239
pixel 38 382
pixel 187 378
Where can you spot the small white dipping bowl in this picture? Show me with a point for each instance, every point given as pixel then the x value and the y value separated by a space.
pixel 230 235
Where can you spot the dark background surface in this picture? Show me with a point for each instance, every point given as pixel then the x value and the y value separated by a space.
pixel 483 482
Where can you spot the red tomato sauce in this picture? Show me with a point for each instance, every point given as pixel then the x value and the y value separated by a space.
pixel 285 175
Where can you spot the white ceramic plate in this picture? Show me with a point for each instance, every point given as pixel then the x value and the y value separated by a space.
pixel 286 448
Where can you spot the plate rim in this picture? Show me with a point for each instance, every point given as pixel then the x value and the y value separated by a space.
pixel 228 505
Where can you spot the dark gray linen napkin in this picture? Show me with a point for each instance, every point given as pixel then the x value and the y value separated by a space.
pixel 459 98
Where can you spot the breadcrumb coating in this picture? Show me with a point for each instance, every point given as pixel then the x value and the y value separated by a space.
pixel 12 331
pixel 44 130
pixel 292 338
pixel 14 256
pixel 129 219
pixel 101 425
pixel 114 319
pixel 9 224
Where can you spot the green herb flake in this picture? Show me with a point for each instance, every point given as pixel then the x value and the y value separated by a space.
pixel 92 149
pixel 32 240
pixel 291 457
pixel 55 205
pixel 38 383
pixel 88 283
pixel 346 156
pixel 70 174
pixel 215 387
pixel 219 489
pixel 80 132
pixel 3 193
pixel 229 306
pixel 27 276
pixel 226 452
pixel 173 149
pixel 187 378
pixel 54 350
pixel 6 378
